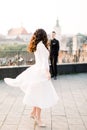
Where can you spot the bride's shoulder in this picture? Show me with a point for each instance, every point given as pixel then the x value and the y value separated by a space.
pixel 40 45
pixel 41 48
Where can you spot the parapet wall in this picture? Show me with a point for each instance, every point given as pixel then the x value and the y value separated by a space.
pixel 62 69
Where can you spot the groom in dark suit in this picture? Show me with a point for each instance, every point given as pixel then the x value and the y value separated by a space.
pixel 54 50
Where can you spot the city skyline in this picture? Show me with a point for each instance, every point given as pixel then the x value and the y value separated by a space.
pixel 43 14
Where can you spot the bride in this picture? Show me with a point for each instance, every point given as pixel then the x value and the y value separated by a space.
pixel 35 81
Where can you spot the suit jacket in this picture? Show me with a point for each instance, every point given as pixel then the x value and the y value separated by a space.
pixel 54 47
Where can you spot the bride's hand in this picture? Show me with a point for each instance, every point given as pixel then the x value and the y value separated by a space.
pixel 48 75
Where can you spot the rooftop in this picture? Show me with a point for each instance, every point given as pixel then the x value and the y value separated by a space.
pixel 17 31
pixel 69 114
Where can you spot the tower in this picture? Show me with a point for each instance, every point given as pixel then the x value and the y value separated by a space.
pixel 57 29
pixel 75 46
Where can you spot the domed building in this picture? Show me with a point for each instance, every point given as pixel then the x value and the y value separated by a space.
pixel 19 33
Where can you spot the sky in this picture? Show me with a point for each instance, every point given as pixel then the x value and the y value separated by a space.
pixel 33 14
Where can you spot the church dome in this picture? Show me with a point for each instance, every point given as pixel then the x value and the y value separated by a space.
pixel 17 31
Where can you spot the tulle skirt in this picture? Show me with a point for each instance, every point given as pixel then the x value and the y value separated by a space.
pixel 39 91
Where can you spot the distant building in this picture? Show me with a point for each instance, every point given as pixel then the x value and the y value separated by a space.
pixel 63 43
pixel 75 46
pixel 84 47
pixel 57 29
pixel 19 34
pixel 62 38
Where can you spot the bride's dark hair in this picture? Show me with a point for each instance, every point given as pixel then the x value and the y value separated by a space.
pixel 39 35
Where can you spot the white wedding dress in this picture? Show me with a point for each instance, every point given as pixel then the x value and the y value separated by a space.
pixel 39 91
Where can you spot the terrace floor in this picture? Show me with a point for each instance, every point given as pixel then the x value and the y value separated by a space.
pixel 69 114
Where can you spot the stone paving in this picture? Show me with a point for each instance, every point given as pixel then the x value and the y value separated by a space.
pixel 69 114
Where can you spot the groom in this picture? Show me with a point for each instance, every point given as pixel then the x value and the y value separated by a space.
pixel 54 50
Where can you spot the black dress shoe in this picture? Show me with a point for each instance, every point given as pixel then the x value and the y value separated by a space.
pixel 55 77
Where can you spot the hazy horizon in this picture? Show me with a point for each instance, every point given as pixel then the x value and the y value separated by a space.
pixel 43 14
